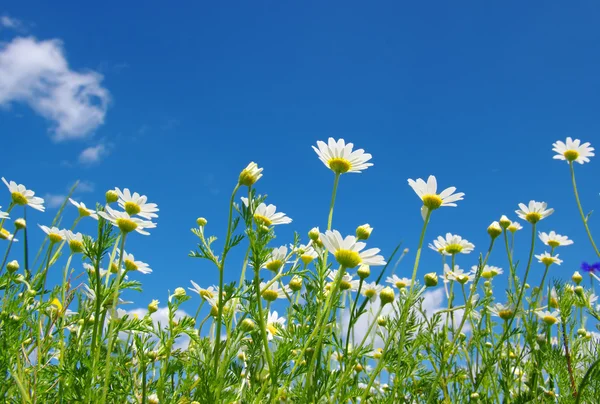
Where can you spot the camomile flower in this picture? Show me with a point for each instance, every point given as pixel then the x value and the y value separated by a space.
pixel 534 212
pixel 348 252
pixel 55 234
pixel 573 150
pixel 371 290
pixel 23 196
pixel 488 271
pixel 90 268
pixel 75 241
pixel 126 223
pixel 339 157
pixel 274 292
pixel 83 210
pixel 548 317
pixel 208 293
pixel 427 191
pixel 277 259
pixel 554 240
pixel 266 215
pixel 399 283
pixel 514 227
pixel 135 204
pixel 457 274
pixel 306 253
pixel 250 174
pixel 131 264
pixel 452 244
pixel 3 215
pixel 347 282
pixel 505 312
pixel 6 235
pixel 274 323
pixel 548 259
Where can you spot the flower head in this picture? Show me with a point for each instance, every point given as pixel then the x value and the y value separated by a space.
pixel 371 290
pixel 75 241
pixel 514 227
pixel 457 274
pixel 505 312
pixel 274 292
pixel 550 318
pixel 266 215
pixel 348 252
pixel 55 235
pixel 534 212
pixel 209 293
pixel 548 259
pixel 399 283
pixel 488 271
pixel 305 252
pixel 347 283
pixel 277 259
pixel 23 196
pixel 250 174
pixel 84 211
pixel 6 235
pixel 3 215
pixel 452 244
pixel 135 204
pixel 131 264
pixel 427 191
pixel 591 268
pixel 554 240
pixel 573 150
pixel 339 157
pixel 274 323
pixel 125 222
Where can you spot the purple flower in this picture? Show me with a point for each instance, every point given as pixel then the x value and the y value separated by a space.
pixel 590 267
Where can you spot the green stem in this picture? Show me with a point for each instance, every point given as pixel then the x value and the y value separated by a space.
pixel 583 218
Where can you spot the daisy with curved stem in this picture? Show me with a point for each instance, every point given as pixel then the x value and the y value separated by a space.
pixel 554 240
pixel 267 215
pixel 488 271
pixel 209 293
pixel 548 317
pixel 125 222
pixel 397 282
pixel 273 292
pixel 6 235
pixel 427 191
pixel 277 259
pixel 23 196
pixel 84 211
pixel 136 204
pixel 371 290
pixel 130 264
pixel 348 252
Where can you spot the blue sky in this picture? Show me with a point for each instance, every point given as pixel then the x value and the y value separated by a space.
pixel 474 93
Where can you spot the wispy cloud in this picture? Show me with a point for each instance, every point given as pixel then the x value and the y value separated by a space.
pixel 93 154
pixel 36 73
pixel 54 200
pixel 85 186
pixel 11 23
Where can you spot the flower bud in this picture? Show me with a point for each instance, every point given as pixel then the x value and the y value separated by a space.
pixel 488 344
pixel 153 306
pixel 363 271
pixel 111 196
pixel 431 279
pixel 475 396
pixel 179 293
pixel 20 224
pixel 577 278
pixel 504 222
pixel 153 399
pixel 363 232
pixel 579 291
pixel 250 175
pixel 247 325
pixel 201 222
pixel 382 321
pixel 12 266
pixel 553 302
pixel 386 295
pixel 358 367
pixel 314 234
pixel 295 283
pixel 581 332
pixel 494 230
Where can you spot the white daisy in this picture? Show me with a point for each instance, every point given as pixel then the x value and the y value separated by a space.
pixel 6 235
pixel 534 212
pixel 306 253
pixel 573 150
pixel 554 240
pixel 55 234
pixel 83 210
pixel 135 204
pixel 371 290
pixel 457 274
pixel 452 244
pixel 208 293
pixel 23 196
pixel 548 259
pixel 266 215
pixel 505 312
pixel 339 157
pixel 348 252
pixel 347 283
pixel 399 283
pixel 488 271
pixel 274 292
pixel 131 264
pixel 250 174
pixel 274 323
pixel 514 227
pixel 92 270
pixel 427 191
pixel 75 241
pixel 126 223
pixel 277 259
pixel 3 215
pixel 548 317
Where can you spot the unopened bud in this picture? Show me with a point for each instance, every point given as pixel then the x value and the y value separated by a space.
pixel 577 278
pixel 579 291
pixel 363 271
pixel 295 283
pixel 504 222
pixel 314 234
pixel 494 230
pixel 363 232
pixel 250 174
pixel 382 321
pixel 20 224
pixel 201 222
pixel 247 325
pixel 153 306
pixel 111 196
pixel 12 266
pixel 179 293
pixel 387 295
pixel 431 279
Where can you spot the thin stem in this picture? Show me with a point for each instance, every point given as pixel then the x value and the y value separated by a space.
pixel 583 218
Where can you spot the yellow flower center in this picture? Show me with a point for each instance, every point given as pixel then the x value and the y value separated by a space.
pixel 553 243
pixel 272 329
pixel 4 234
pixel 505 314
pixel 339 165
pixel 83 212
pixel 533 217
pixel 214 311
pixel 550 320
pixel 206 294
pixel 345 285
pixel 487 274
pixel 401 284
pixel 347 258
pixel 114 268
pixel 432 201
pixel 571 155
pixel 19 198
pixel 56 303
pixel 370 293
pixel 126 225
pixel 130 265
pixel 553 303
pixel 132 208
pixel 548 260
pixel 76 246
pixel 274 265
pixel 55 237
pixel 307 259
pixel 270 295
pixel 260 219
pixel 247 178
pixel 453 248
pixel 512 228
pixel 462 279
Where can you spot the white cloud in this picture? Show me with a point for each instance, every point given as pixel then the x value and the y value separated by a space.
pixel 93 154
pixel 54 201
pixel 37 73
pixel 161 316
pixel 10 22
pixel 85 186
